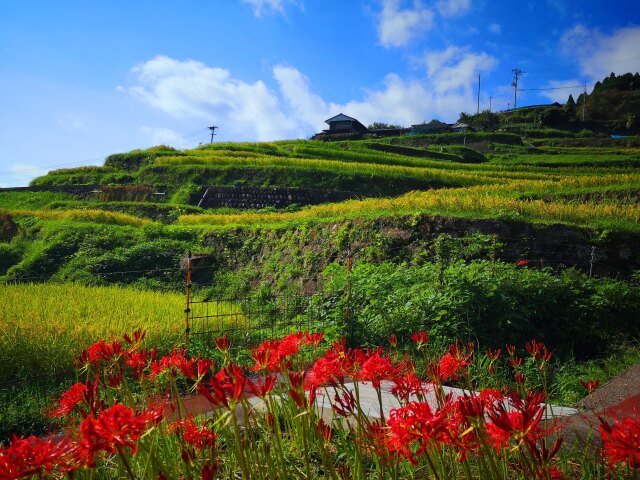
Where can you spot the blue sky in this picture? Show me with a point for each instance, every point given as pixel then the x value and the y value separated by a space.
pixel 83 79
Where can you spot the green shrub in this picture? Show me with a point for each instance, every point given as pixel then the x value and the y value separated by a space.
pixel 491 303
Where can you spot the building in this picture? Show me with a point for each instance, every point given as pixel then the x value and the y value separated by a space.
pixel 460 127
pixel 344 124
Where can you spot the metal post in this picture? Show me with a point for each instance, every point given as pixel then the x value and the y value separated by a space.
pixel 348 285
pixel 592 260
pixel 187 310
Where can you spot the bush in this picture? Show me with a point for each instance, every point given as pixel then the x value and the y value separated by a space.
pixel 489 303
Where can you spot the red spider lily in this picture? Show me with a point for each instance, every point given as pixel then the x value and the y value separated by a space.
pixel 115 429
pixel 138 336
pixel 299 398
pixel 273 355
pixel 27 457
pixel 520 425
pixel 208 472
pixel 262 387
pixel 114 379
pixel 590 385
pixel 332 368
pixel 522 263
pixel 345 404
pixel 196 434
pixel 69 400
pixel 544 455
pixel 101 351
pixel 173 362
pixel 223 343
pixel 420 338
pixel 518 377
pixel 297 391
pixel 324 430
pixel 377 368
pixel 511 350
pixel 415 423
pixel 470 407
pixel 204 365
pixel 538 351
pixel 493 355
pixel 393 341
pixel 454 362
pixel 621 442
pixel 138 361
pixel 313 338
pixel 516 362
pixel 406 385
pixel 226 385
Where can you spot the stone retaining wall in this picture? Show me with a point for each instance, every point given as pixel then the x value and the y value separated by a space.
pixel 261 197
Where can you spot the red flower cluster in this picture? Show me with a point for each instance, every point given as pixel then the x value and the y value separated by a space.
pixel 274 355
pixel 26 457
pixel 196 434
pixel 621 442
pixel 115 429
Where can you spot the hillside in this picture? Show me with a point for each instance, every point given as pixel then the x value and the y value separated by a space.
pixel 139 210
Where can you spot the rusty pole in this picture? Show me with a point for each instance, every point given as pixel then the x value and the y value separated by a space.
pixel 187 310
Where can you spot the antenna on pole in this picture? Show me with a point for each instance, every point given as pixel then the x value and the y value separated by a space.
pixel 516 75
pixel 584 101
pixel 213 132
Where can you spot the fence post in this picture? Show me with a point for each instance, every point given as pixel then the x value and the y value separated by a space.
pixel 348 292
pixel 187 310
pixel 592 260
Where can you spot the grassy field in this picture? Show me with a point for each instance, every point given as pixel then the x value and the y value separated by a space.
pixel 44 326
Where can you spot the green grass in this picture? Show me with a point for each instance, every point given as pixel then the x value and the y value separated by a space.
pixel 31 200
pixel 571 160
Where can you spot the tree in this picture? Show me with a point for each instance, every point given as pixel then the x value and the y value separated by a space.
pixel 570 107
pixel 383 126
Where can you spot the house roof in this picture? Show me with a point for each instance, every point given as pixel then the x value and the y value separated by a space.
pixel 460 125
pixel 341 117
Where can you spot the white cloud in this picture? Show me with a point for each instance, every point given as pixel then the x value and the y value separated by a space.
pixel 20 174
pixel 599 54
pixel 261 7
pixel 453 8
pixel 165 136
pixel 456 68
pixel 562 89
pixel 495 28
pixel 192 90
pixel 251 111
pixel 398 27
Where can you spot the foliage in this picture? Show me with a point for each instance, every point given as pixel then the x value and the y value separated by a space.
pixel 490 303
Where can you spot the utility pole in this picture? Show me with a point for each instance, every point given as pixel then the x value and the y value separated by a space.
pixel 490 98
pixel 584 101
pixel 516 75
pixel 478 93
pixel 213 132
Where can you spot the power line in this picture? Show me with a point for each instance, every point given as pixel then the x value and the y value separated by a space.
pixel 516 75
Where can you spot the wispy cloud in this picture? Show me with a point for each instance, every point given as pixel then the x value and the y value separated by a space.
pixel 248 111
pixel 453 8
pixel 265 7
pixel 494 28
pixel 599 54
pixel 20 174
pixel 397 27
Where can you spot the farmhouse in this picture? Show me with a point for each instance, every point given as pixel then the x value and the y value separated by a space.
pixel 344 124
pixel 460 127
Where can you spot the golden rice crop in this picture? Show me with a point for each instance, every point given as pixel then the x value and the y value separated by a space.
pixel 44 326
pixel 78 215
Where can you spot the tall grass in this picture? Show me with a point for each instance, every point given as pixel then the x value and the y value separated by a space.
pixel 42 327
pixel 96 216
pixel 478 202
